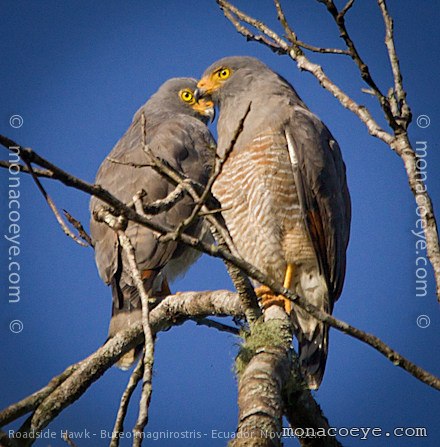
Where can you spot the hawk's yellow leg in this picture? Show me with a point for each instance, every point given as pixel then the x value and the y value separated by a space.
pixel 268 298
pixel 287 283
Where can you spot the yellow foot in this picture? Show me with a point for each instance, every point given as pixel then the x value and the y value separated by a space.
pixel 268 298
pixel 287 304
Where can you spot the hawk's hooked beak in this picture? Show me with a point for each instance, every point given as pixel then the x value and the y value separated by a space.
pixel 199 93
pixel 205 87
pixel 205 107
pixel 210 113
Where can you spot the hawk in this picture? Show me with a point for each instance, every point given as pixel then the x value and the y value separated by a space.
pixel 174 129
pixel 284 193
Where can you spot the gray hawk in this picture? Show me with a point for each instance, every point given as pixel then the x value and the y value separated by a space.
pixel 175 131
pixel 284 193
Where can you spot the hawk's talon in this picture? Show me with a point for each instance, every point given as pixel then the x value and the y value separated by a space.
pixel 263 290
pixel 268 298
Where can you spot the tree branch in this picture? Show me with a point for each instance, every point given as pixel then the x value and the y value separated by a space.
pixel 260 384
pixel 304 63
pixel 148 356
pixel 403 108
pixel 339 18
pixel 46 173
pixel 135 378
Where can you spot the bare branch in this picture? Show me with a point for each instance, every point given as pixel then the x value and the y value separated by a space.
pixel 31 402
pixel 229 12
pixel 148 357
pixel 305 64
pixel 302 411
pixel 404 109
pixel 324 50
pixel 346 8
pixel 339 19
pixel 135 378
pixel 216 325
pixel 53 207
pixel 403 148
pixel 38 172
pixel 79 227
pixel 68 439
pixel 293 38
pixel 260 384
pixel 271 384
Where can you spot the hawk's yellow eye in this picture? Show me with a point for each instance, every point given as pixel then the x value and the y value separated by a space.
pixel 224 73
pixel 186 95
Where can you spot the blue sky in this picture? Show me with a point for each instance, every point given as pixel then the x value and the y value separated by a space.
pixel 76 72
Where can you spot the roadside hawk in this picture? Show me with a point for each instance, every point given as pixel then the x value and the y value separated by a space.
pixel 175 131
pixel 284 193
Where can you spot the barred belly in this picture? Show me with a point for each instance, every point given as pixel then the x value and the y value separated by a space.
pixel 261 207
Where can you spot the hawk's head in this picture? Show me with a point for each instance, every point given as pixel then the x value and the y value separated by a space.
pixel 177 95
pixel 228 76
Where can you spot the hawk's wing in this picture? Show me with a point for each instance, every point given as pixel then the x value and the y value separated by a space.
pixel 186 144
pixel 323 193
pixel 183 142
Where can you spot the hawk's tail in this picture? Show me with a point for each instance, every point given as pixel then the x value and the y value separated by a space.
pixel 313 354
pixel 312 334
pixel 127 311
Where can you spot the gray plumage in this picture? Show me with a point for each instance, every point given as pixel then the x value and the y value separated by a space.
pixel 284 192
pixel 176 133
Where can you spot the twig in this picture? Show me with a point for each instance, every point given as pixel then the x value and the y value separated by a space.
pixel 38 172
pixel 405 111
pixel 217 325
pixel 78 225
pixel 314 49
pixel 135 377
pixel 220 161
pixel 53 207
pixel 364 70
pixel 148 357
pixel 293 38
pixel 31 402
pixel 346 8
pixel 68 440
